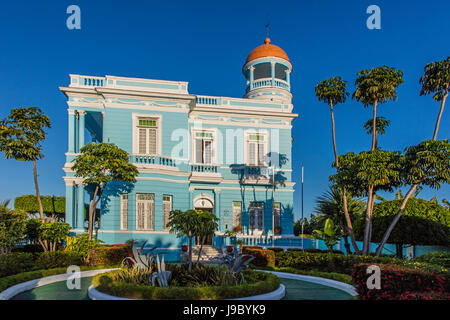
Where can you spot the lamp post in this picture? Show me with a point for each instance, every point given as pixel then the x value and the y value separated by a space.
pixel 273 205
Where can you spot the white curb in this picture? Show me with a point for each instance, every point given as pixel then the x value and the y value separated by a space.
pixel 323 281
pixel 25 286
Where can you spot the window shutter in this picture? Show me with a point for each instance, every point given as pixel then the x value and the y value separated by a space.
pixel 124 212
pixel 142 141
pixel 150 212
pixel 198 151
pixel 167 207
pixel 251 153
pixel 237 213
pixel 152 141
pixel 208 151
pixel 261 154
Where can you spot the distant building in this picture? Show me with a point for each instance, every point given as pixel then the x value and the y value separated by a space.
pixel 192 151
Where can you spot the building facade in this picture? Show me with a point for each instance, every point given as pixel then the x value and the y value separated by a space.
pixel 231 156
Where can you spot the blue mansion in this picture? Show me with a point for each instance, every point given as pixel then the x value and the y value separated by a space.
pixel 231 156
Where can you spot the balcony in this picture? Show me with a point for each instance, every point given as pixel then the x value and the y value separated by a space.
pixel 205 173
pixel 149 161
pixel 267 83
pixel 257 175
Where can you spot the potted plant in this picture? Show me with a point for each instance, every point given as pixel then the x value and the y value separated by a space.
pixel 184 248
pixel 230 234
pixel 277 230
pixel 237 229
pixel 240 244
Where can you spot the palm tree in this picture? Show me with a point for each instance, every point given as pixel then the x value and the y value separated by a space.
pixel 374 86
pixel 436 80
pixel 333 91
pixel 330 205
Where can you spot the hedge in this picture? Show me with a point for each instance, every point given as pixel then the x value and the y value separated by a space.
pixel 105 283
pixel 441 258
pixel 401 283
pixel 18 262
pixel 329 262
pixel 263 258
pixel 50 204
pixel 10 281
pixel 329 275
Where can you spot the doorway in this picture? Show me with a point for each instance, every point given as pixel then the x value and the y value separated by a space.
pixel 209 239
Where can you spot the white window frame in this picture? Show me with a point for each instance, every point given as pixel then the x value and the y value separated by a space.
pixel 146 217
pixel 135 123
pixel 166 218
pixel 124 211
pixel 213 131
pixel 248 133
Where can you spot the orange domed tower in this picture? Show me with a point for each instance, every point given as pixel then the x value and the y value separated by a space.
pixel 267 71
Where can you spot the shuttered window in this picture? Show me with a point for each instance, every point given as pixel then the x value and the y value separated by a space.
pixel 237 213
pixel 147 136
pixel 124 211
pixel 167 207
pixel 277 214
pixel 256 215
pixel 256 150
pixel 145 211
pixel 203 147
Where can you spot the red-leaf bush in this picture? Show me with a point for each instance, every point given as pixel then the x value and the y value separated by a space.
pixel 263 258
pixel 401 283
pixel 112 254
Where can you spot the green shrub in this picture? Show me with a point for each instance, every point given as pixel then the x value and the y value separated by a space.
pixel 327 262
pixel 329 275
pixel 263 258
pixel 203 275
pixel 12 263
pixel 18 262
pixel 400 282
pixel 55 259
pixel 105 283
pixel 276 249
pixel 440 258
pixel 81 245
pixel 30 248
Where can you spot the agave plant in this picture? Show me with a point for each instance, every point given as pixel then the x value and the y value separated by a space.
pixel 139 259
pixel 237 262
pixel 162 276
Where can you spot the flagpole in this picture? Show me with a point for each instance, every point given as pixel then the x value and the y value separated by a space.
pixel 303 221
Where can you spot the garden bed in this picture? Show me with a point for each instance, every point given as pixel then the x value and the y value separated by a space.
pixel 257 283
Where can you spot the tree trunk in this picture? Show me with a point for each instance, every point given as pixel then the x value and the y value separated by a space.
pixel 347 245
pixel 349 223
pixel 438 120
pixel 92 213
pixel 374 132
pixel 201 248
pixel 366 245
pixel 395 220
pixel 190 253
pixel 38 195
pixel 344 196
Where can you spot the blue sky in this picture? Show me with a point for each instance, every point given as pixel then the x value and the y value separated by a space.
pixel 206 43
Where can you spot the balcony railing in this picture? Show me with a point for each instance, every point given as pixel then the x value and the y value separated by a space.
pixel 267 82
pixel 203 168
pixel 152 159
pixel 257 175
